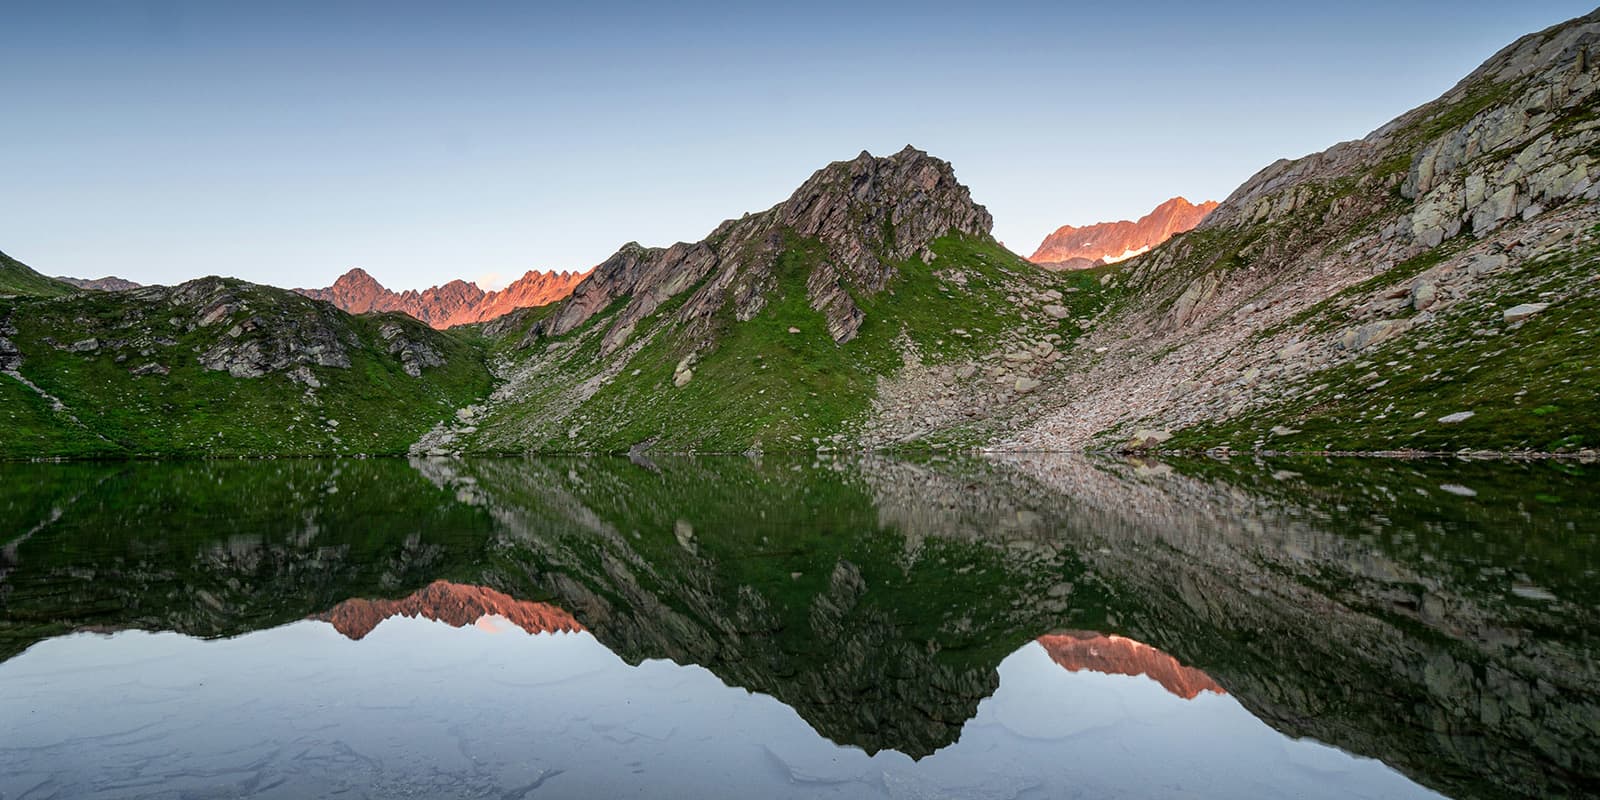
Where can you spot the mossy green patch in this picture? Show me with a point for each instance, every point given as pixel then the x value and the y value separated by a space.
pixel 180 407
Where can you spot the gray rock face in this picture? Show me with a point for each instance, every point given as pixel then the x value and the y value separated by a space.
pixel 414 354
pixel 10 356
pixel 867 214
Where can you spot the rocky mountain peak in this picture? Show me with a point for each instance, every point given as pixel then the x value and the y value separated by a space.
pixel 867 213
pixel 1071 247
pixel 456 302
pixel 873 211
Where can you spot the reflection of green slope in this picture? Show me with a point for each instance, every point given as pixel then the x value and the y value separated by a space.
pixel 215 549
pixel 1325 619
pixel 876 598
pixel 779 577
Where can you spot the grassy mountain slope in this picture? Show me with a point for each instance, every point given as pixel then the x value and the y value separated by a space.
pixel 17 278
pixel 221 368
pixel 788 329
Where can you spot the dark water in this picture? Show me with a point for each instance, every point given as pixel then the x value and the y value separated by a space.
pixel 1031 627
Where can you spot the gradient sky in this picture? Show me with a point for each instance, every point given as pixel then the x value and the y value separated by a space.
pixel 287 142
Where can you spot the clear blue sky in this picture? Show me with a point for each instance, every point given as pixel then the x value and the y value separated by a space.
pixel 286 142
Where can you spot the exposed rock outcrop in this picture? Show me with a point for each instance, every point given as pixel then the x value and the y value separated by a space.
pixel 1109 242
pixel 867 213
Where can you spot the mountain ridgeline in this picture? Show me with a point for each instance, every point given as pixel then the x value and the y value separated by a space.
pixel 1109 242
pixel 455 303
pixel 1430 287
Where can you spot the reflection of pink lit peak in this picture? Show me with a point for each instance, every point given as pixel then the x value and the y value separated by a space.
pixel 1115 655
pixel 454 604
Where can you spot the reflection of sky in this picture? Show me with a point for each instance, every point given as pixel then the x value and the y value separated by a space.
pixel 422 708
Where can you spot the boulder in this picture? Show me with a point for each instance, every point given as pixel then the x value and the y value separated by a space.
pixel 1521 312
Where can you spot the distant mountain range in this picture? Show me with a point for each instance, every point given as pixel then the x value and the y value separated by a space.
pixel 109 283
pixel 454 303
pixel 1110 242
pixel 454 604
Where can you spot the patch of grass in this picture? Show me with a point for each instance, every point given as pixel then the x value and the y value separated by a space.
pixel 1534 386
pixel 371 407
pixel 17 278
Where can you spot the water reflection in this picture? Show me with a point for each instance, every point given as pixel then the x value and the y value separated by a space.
pixel 418 708
pixel 881 605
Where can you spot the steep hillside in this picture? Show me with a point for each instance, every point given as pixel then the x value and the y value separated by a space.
pixel 1110 242
pixel 220 367
pixel 17 278
pixel 778 329
pixel 1432 286
pixel 454 303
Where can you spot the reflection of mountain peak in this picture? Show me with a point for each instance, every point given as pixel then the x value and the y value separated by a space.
pixel 1115 655
pixel 454 604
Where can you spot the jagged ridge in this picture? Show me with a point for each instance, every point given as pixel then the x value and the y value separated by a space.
pixel 455 303
pixel 1109 242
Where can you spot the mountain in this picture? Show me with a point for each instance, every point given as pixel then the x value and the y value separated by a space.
pixel 1110 242
pixel 454 604
pixel 109 283
pixel 777 328
pixel 1428 287
pixel 17 278
pixel 218 367
pixel 454 303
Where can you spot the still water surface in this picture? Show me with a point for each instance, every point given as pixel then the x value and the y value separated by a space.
pixel 1034 627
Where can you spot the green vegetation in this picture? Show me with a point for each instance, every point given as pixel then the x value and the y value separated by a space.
pixel 370 407
pixel 1529 386
pixel 17 278
pixel 754 383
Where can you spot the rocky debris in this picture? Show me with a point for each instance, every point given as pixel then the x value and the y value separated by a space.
pixel 683 372
pixel 1146 438
pixel 454 303
pixel 1423 294
pixel 1110 242
pixel 85 346
pixel 1518 313
pixel 1056 311
pixel 1362 337
pixel 149 369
